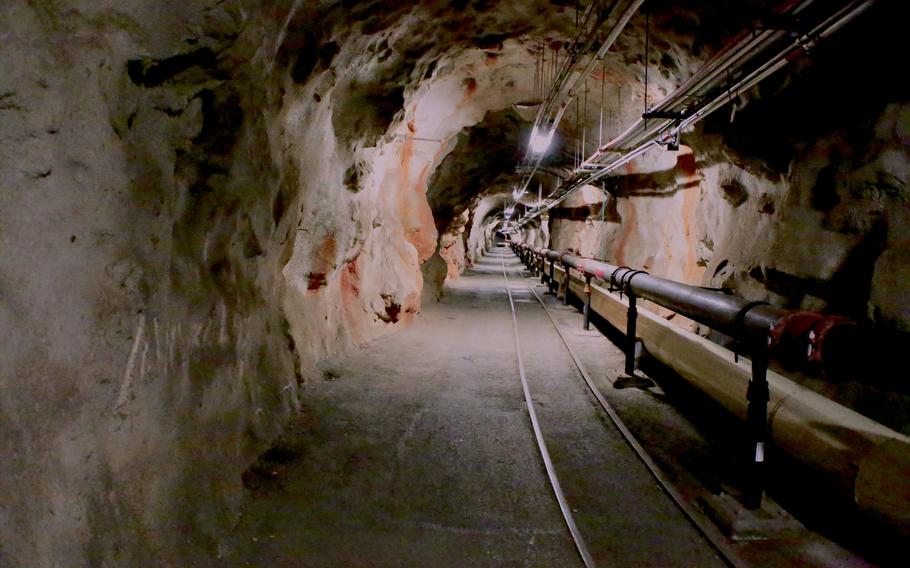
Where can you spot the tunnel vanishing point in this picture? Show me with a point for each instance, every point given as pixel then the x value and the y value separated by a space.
pixel 257 307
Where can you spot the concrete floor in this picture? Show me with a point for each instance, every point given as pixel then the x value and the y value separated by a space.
pixel 418 451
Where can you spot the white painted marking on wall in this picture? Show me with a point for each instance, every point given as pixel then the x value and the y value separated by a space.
pixel 171 347
pixel 284 30
pixel 145 351
pixel 157 341
pixel 131 363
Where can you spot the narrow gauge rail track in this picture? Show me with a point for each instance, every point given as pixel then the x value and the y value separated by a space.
pixel 701 524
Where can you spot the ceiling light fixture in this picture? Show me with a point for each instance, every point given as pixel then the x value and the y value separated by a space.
pixel 540 141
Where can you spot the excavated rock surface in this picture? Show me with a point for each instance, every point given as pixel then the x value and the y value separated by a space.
pixel 200 200
pixel 799 198
pixel 780 201
pixel 143 219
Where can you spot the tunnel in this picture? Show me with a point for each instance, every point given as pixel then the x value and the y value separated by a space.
pixel 454 283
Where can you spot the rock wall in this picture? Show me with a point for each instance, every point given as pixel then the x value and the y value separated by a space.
pixel 146 357
pixel 829 235
pixel 483 215
pixel 775 201
pixel 452 246
pixel 200 199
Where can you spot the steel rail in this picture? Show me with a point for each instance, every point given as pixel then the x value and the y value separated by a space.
pixel 854 450
pixel 577 537
pixel 755 322
pixel 701 524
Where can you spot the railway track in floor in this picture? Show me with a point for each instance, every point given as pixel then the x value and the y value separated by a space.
pixel 706 531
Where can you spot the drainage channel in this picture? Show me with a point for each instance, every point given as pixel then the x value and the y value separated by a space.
pixel 703 528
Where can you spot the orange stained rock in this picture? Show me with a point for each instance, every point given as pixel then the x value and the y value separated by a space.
pixel 628 227
pixel 451 259
pixel 410 306
pixel 686 164
pixel 692 272
pixel 470 88
pixel 406 149
pixel 323 264
pixel 413 209
pixel 607 75
pixel 350 300
pixel 668 253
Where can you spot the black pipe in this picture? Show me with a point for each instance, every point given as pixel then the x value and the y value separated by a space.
pixel 733 315
pixel 729 314
pixel 831 342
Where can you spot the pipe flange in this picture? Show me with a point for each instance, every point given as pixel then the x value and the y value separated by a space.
pixel 817 335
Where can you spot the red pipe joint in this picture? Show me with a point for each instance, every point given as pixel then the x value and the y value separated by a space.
pixel 800 336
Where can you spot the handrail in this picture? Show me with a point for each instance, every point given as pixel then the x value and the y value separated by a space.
pixel 733 315
pixel 756 325
pixel 813 428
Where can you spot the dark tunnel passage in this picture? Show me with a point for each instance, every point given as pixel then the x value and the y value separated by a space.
pixel 274 287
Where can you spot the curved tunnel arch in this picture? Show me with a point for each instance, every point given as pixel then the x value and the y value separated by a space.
pixel 202 200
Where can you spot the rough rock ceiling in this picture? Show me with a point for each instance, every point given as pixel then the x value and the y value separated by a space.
pixel 202 198
pixel 377 54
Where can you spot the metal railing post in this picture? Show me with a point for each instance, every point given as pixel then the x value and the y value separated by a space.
pixel 551 285
pixel 757 423
pixel 587 308
pixel 565 294
pixel 631 321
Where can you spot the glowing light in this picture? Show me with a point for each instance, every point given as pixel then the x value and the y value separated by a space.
pixel 540 141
